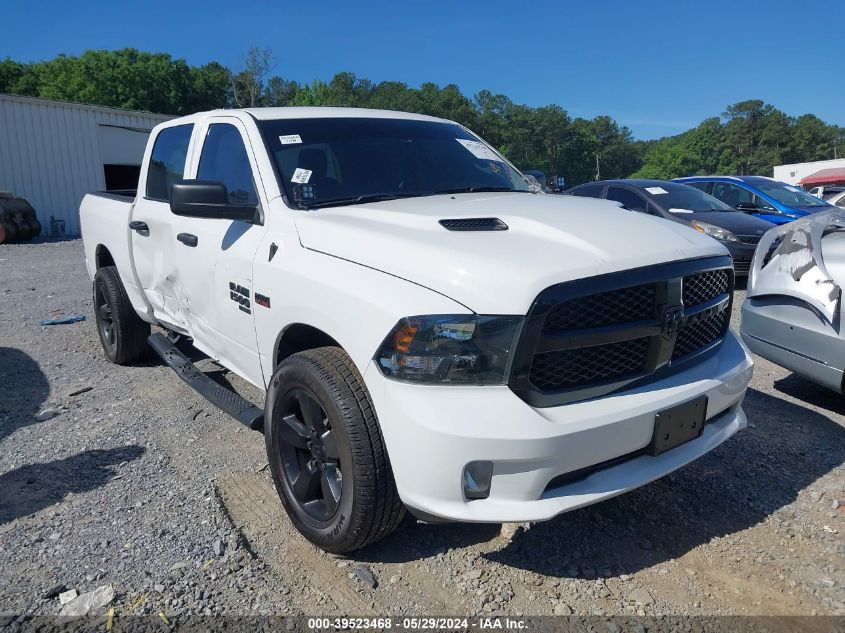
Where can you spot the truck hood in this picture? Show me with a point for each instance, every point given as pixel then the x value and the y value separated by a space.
pixel 550 239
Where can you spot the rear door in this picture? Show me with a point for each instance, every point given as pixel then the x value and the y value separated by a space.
pixel 214 256
pixel 153 236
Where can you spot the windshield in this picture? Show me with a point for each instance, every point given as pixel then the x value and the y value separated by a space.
pixel 787 194
pixel 677 198
pixel 325 161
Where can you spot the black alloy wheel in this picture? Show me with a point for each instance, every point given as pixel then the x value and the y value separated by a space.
pixel 310 455
pixel 105 318
pixel 122 332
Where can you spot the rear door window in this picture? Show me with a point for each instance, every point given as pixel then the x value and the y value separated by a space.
pixel 701 186
pixel 629 199
pixel 588 191
pixel 732 194
pixel 167 163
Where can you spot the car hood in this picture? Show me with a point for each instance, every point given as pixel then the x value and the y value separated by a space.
pixel 550 239
pixel 734 221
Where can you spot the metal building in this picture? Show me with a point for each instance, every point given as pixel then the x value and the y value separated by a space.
pixel 54 152
pixel 792 174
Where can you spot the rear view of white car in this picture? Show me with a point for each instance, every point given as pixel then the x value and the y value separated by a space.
pixel 430 332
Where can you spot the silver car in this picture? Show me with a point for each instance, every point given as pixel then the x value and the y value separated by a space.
pixel 792 314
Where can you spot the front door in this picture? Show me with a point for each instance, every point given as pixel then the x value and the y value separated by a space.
pixel 214 256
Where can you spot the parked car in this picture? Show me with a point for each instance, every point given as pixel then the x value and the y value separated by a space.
pixel 766 198
pixel 825 191
pixel 835 196
pixel 430 334
pixel 738 231
pixel 793 311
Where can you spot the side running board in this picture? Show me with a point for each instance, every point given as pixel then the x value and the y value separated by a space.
pixel 232 403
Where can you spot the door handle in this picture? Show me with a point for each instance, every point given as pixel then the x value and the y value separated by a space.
pixel 187 239
pixel 137 225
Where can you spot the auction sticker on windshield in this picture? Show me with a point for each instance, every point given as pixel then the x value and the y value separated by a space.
pixel 302 176
pixel 479 150
pixel 656 190
pixel 290 139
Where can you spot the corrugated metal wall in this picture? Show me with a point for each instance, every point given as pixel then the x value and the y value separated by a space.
pixel 50 152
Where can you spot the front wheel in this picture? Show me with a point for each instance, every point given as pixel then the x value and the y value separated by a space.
pixel 327 454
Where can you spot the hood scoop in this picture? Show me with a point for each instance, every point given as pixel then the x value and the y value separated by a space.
pixel 474 224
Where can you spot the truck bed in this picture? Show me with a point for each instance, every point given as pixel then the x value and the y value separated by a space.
pixel 104 217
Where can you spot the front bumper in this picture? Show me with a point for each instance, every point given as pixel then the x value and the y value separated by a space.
pixel 432 432
pixel 789 333
pixel 742 254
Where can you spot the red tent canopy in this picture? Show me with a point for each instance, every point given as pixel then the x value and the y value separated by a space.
pixel 834 175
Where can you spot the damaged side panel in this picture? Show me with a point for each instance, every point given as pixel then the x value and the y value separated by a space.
pixel 793 314
pixel 797 267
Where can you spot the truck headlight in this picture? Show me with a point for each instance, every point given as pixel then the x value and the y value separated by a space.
pixel 454 349
pixel 723 235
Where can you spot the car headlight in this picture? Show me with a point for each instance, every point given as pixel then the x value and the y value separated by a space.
pixel 454 349
pixel 723 235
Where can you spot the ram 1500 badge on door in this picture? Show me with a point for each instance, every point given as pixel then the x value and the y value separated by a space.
pixel 430 333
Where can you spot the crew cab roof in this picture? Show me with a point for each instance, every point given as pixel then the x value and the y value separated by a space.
pixel 322 112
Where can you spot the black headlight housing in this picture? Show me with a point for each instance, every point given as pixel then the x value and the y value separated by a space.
pixel 450 349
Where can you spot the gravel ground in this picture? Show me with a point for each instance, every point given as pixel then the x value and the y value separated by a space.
pixel 140 484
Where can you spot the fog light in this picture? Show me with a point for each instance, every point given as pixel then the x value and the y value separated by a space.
pixel 477 476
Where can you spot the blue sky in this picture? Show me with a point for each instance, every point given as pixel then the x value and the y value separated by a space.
pixel 657 67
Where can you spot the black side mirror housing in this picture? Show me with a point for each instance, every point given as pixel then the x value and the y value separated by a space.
pixel 208 199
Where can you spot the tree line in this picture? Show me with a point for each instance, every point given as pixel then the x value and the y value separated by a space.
pixel 748 138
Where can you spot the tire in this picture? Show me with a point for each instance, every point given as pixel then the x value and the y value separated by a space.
pixel 326 452
pixel 122 332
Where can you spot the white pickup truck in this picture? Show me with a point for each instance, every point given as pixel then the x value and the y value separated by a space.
pixel 430 333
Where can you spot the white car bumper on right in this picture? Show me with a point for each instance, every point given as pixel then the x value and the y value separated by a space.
pixel 433 432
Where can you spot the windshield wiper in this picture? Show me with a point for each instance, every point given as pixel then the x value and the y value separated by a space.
pixel 480 189
pixel 374 197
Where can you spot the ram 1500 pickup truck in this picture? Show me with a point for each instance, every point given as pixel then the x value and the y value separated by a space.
pixel 430 333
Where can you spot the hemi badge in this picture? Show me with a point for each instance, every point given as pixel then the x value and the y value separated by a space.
pixel 262 300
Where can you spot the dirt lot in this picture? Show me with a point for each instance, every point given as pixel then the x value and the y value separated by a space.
pixel 140 484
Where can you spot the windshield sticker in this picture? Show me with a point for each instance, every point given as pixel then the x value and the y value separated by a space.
pixel 656 190
pixel 302 176
pixel 795 189
pixel 680 210
pixel 479 150
pixel 290 139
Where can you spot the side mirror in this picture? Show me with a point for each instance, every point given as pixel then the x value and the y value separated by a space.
pixel 747 207
pixel 208 199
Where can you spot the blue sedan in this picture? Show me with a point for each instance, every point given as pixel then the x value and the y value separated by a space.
pixel 766 198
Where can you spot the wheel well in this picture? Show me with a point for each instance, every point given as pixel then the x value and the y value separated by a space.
pixel 300 337
pixel 103 257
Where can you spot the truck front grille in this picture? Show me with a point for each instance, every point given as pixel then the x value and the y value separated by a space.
pixel 590 337
pixel 606 308
pixel 554 370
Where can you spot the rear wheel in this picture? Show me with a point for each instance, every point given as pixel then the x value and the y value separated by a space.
pixel 122 332
pixel 327 454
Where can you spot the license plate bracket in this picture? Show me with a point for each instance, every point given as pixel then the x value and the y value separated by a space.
pixel 678 425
